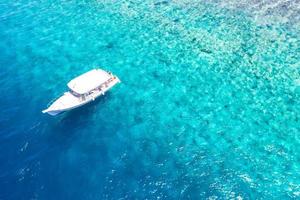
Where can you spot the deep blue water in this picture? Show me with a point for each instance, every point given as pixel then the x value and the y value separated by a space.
pixel 208 107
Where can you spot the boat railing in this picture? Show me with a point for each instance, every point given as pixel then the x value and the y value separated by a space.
pixel 51 102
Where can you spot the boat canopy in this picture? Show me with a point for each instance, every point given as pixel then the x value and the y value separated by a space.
pixel 88 81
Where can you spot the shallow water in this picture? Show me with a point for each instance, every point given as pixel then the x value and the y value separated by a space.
pixel 208 108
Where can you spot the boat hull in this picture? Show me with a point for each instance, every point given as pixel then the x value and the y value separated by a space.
pixel 53 113
pixel 74 102
pixel 56 112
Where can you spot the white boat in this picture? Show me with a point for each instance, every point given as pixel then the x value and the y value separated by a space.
pixel 82 90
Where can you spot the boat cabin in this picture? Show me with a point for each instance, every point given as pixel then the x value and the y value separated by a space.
pixel 85 84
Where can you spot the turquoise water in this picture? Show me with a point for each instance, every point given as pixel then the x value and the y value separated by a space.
pixel 208 107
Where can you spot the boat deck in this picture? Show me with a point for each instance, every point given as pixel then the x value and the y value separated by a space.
pixel 67 100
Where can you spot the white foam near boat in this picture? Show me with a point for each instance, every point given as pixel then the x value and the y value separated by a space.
pixel 82 90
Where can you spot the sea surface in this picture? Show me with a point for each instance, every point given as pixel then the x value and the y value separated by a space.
pixel 208 107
